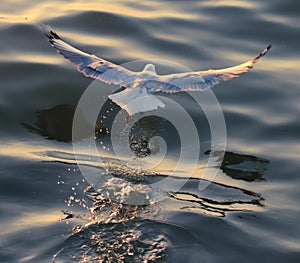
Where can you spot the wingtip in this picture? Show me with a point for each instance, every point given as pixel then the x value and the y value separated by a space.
pixel 49 33
pixel 268 48
pixel 264 52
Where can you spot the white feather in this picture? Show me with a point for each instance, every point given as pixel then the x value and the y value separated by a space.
pixel 136 100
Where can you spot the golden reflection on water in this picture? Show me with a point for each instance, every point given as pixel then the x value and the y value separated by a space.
pixel 39 11
pixel 25 150
pixel 30 58
pixel 83 39
pixel 29 219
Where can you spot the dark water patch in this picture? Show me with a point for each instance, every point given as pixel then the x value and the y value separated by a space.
pixel 235 11
pixel 22 38
pixel 179 24
pixel 289 8
pixel 285 131
pixel 247 29
pixel 236 243
pixel 168 46
pixel 35 183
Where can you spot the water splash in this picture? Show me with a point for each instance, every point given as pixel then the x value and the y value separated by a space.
pixel 115 232
pixel 114 242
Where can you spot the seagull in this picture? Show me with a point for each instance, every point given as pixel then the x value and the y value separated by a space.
pixel 141 87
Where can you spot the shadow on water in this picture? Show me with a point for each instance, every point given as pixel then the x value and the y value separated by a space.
pixel 242 166
pixel 56 123
pixel 113 231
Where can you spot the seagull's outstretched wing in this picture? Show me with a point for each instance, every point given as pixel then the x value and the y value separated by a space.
pixel 202 80
pixel 90 65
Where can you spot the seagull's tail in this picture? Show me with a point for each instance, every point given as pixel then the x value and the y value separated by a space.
pixel 136 100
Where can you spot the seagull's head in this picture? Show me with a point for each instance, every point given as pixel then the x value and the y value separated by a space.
pixel 149 68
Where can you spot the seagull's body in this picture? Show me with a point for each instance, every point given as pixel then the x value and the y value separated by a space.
pixel 140 87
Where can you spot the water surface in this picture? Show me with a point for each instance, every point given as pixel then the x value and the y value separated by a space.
pixel 251 209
